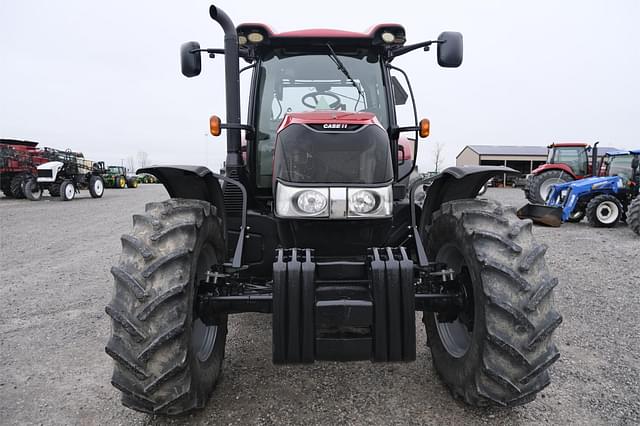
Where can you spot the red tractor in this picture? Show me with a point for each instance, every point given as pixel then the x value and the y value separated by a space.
pixel 18 162
pixel 566 162
pixel 317 227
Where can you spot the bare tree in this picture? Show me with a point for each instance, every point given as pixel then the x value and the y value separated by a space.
pixel 130 164
pixel 143 159
pixel 438 156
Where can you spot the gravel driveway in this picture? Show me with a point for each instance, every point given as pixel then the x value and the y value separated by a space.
pixel 54 284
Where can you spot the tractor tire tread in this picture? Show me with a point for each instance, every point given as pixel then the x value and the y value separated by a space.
pixel 535 182
pixel 519 318
pixel 633 215
pixel 591 211
pixel 151 310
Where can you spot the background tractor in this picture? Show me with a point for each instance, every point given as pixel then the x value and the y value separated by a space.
pixel 313 226
pixel 66 175
pixel 147 178
pixel 117 177
pixel 566 162
pixel 603 200
pixel 18 162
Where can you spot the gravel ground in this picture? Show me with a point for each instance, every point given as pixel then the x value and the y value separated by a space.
pixel 54 284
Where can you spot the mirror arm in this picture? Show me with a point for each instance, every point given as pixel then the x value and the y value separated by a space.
pixel 395 131
pixel 246 127
pixel 242 52
pixel 393 52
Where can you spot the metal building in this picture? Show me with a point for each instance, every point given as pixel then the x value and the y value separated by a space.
pixel 521 158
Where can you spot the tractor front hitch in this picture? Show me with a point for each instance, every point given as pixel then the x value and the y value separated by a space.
pixel 338 310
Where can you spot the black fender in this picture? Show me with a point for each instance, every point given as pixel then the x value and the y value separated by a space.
pixel 194 182
pixel 455 183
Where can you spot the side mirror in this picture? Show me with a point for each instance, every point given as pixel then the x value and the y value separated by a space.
pixel 190 61
pixel 450 50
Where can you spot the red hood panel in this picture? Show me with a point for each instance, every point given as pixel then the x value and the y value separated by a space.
pixel 329 117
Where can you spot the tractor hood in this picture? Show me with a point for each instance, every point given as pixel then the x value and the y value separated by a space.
pixel 594 183
pixel 51 165
pixel 333 148
pixel 48 172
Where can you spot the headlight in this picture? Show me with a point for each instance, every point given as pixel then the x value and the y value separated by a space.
pixel 334 202
pixel 311 201
pixel 363 201
pixel 370 202
pixel 301 202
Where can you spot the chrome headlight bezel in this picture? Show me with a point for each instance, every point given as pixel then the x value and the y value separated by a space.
pixel 339 203
pixel 383 197
pixel 286 205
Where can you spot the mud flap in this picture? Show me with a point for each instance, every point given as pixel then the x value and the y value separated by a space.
pixel 543 215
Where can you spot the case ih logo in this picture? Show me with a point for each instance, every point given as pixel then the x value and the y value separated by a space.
pixel 335 126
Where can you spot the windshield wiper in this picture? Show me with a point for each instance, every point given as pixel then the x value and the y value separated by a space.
pixel 344 71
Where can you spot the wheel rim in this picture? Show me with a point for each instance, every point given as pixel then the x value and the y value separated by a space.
pixel 456 336
pixel 576 215
pixel 545 187
pixel 98 187
pixel 607 212
pixel 34 189
pixel 203 337
pixel 69 191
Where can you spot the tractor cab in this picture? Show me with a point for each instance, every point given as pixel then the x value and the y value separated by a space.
pixel 621 164
pixel 574 155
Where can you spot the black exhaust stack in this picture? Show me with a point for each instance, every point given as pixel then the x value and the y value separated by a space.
pixel 595 167
pixel 232 89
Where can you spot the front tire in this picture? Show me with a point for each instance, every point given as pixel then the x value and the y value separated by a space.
pixel 132 183
pixel 498 348
pixel 166 360
pixel 604 211
pixel 96 186
pixel 120 182
pixel 633 215
pixel 17 184
pixel 32 191
pixel 67 190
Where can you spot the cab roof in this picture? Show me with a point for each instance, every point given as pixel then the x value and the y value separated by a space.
pixel 371 36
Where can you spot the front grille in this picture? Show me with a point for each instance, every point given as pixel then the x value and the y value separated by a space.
pixel 45 173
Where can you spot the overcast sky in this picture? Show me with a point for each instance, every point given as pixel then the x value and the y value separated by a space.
pixel 104 78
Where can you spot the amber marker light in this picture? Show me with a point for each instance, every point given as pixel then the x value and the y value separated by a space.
pixel 425 126
pixel 214 125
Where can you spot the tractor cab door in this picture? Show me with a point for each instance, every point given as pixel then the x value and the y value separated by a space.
pixel 573 156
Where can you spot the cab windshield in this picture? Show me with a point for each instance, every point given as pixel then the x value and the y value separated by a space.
pixel 620 165
pixel 574 157
pixel 298 83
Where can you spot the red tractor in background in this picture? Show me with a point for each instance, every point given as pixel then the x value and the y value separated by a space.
pixel 566 162
pixel 18 162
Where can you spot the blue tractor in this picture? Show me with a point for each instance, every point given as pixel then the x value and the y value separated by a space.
pixel 603 200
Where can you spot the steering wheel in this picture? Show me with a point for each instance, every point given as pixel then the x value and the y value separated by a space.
pixel 333 105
